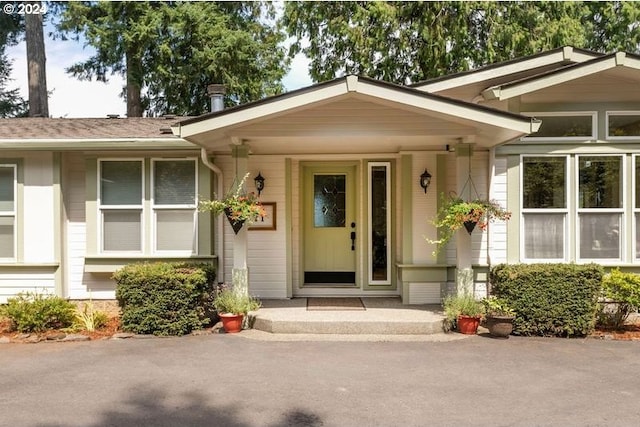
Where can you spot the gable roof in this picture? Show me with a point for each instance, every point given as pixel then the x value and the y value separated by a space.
pixel 544 80
pixel 202 130
pixel 552 59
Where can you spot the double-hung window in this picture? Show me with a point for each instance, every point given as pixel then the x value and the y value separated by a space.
pixel 600 207
pixel 7 212
pixel 174 204
pixel 544 207
pixel 121 204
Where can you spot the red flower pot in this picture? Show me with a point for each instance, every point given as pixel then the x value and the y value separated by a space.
pixel 468 324
pixel 231 323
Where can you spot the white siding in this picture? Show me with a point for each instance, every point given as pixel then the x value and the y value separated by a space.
pixel 425 208
pixel 267 248
pixel 26 280
pixel 425 293
pixel 498 229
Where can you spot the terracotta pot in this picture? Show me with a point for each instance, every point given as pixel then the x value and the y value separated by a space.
pixel 500 326
pixel 236 224
pixel 231 323
pixel 468 324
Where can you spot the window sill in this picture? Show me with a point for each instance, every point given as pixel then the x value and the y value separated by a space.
pixel 112 263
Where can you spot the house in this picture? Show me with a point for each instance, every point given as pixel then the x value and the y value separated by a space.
pixel 553 137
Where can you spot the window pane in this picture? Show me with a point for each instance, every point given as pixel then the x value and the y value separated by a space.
pixel 564 126
pixel 544 180
pixel 624 125
pixel 7 185
pixel 544 236
pixel 174 182
pixel 379 222
pixel 600 182
pixel 121 182
pixel 599 236
pixel 329 199
pixel 175 230
pixel 6 237
pixel 122 230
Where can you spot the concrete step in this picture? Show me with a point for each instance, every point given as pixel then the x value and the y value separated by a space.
pixel 383 316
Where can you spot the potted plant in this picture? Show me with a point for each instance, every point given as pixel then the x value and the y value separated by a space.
pixel 239 207
pixel 499 316
pixel 456 213
pixel 232 306
pixel 462 312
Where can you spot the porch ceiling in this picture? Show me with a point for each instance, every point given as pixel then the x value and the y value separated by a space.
pixel 353 115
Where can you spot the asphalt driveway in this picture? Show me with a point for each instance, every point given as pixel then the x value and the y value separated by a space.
pixel 225 380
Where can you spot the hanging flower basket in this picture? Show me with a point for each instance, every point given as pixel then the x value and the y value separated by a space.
pixel 236 223
pixel 455 213
pixel 239 208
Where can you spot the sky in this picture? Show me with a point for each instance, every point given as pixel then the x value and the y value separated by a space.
pixel 74 98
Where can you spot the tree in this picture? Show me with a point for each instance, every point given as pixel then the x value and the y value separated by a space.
pixel 170 51
pixel 36 64
pixel 11 103
pixel 405 42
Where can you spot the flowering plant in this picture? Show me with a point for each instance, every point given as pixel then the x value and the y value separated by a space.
pixel 237 206
pixel 455 213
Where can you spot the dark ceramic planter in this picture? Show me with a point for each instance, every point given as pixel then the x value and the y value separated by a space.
pixel 500 326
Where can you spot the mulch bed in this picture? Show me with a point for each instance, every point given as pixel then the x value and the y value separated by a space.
pixel 627 333
pixel 112 327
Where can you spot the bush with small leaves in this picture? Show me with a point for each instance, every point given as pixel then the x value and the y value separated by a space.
pixel 37 312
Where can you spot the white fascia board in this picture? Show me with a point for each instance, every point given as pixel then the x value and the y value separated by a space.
pixel 454 109
pixel 264 110
pixel 96 144
pixel 504 92
pixel 566 54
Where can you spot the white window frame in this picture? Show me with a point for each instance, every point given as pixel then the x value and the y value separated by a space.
pixel 542 115
pixel 621 211
pixel 102 208
pixel 566 210
pixel 370 166
pixel 620 113
pixel 12 213
pixel 155 208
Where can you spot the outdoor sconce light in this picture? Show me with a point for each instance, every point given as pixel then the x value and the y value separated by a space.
pixel 259 180
pixel 425 180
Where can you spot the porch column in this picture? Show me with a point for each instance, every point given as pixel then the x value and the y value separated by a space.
pixel 240 271
pixel 464 271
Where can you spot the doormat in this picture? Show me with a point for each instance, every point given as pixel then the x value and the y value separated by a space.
pixel 334 304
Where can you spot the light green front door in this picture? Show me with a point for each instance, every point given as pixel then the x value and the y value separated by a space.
pixel 329 197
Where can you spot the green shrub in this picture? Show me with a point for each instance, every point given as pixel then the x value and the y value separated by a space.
pixel 164 298
pixel 549 299
pixel 35 312
pixel 621 293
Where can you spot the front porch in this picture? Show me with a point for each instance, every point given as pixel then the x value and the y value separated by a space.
pixel 381 316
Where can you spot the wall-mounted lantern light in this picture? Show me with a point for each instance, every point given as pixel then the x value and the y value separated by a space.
pixel 259 180
pixel 425 180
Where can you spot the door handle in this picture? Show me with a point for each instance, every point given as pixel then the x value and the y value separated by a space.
pixel 353 240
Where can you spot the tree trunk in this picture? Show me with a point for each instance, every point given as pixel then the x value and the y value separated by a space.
pixel 134 80
pixel 36 63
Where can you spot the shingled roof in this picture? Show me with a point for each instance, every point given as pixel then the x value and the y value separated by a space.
pixel 66 129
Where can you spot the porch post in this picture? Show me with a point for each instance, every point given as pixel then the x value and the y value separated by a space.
pixel 240 271
pixel 464 271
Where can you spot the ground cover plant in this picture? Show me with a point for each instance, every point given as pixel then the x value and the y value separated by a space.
pixel 38 312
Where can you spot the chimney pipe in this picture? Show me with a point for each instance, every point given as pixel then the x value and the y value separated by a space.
pixel 216 93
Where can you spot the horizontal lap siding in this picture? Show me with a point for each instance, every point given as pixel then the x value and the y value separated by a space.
pixel 12 283
pixel 267 248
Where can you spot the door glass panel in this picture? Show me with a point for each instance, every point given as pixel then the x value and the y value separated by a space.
pixel 329 200
pixel 379 223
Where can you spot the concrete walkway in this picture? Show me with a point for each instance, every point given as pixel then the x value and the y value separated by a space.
pixel 382 316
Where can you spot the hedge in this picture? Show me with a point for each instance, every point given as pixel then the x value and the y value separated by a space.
pixel 550 299
pixel 164 298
